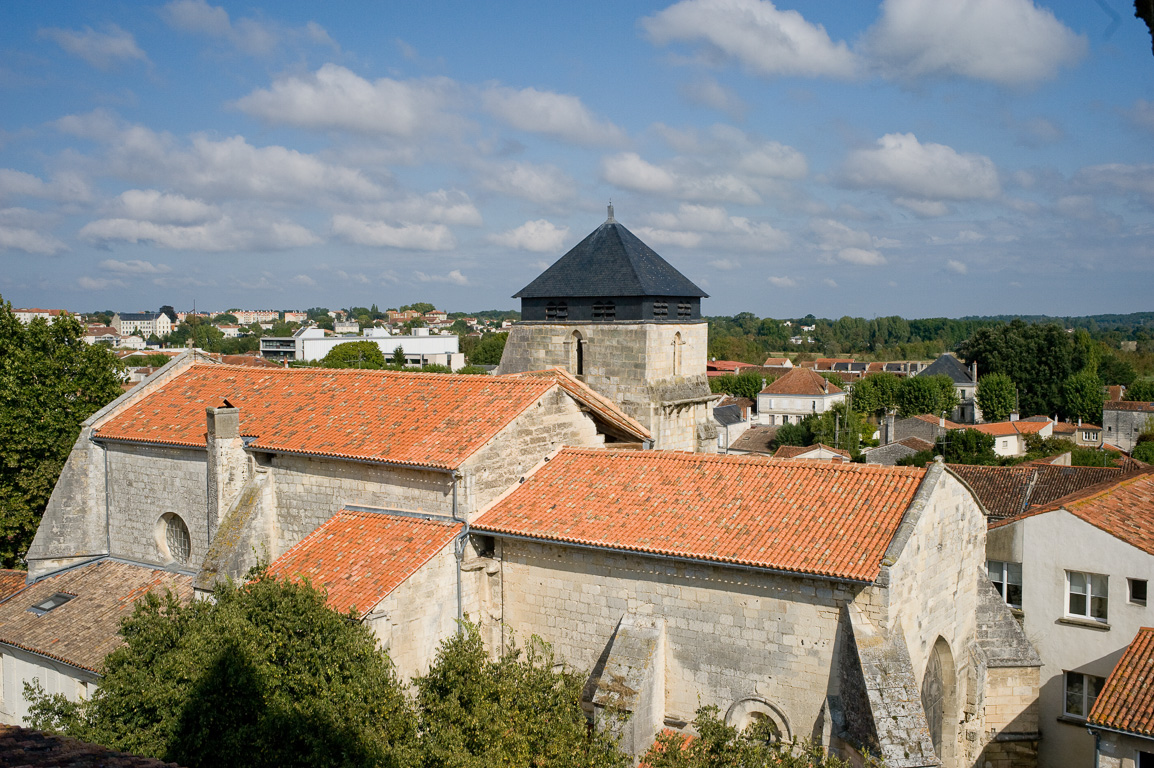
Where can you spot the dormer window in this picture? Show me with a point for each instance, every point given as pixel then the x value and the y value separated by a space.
pixel 52 603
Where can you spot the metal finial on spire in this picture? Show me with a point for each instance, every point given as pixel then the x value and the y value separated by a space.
pixel 610 212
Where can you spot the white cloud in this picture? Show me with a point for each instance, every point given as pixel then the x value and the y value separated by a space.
pixel 1009 42
pixel 336 98
pixel 152 205
pixel 765 40
pixel 1121 178
pixel 134 267
pixel 914 170
pixel 861 256
pixel 419 237
pixel 629 171
pixel 454 277
pixel 783 282
pixel 696 217
pixel 29 241
pixel 528 181
pixel 99 283
pixel 692 225
pixel 63 188
pixel 553 114
pixel 725 265
pixel 254 37
pixel 957 266
pixel 440 207
pixel 707 92
pixel 102 50
pixel 774 160
pixel 304 280
pixel 224 234
pixel 357 277
pixel 669 237
pixel 540 236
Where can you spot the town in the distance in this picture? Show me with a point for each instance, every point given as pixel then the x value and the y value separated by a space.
pixel 901 542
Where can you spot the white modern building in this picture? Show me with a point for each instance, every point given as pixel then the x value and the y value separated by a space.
pixel 147 323
pixel 421 348
pixel 27 315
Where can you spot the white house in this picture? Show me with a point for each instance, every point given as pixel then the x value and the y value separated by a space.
pixel 420 347
pixel 1010 436
pixel 796 395
pixel 1078 570
pixel 147 323
pixel 27 315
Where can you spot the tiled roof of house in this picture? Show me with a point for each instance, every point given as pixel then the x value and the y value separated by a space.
pixel 604 408
pixel 776 362
pixel 756 439
pixel 361 556
pixel 727 415
pixel 610 262
pixel 249 360
pixel 11 581
pixel 1122 508
pixel 916 443
pixel 801 381
pixel 931 419
pixel 796 451
pixel 1004 428
pixel 1126 702
pixel 405 418
pixel 27 748
pixel 1115 392
pixel 1128 405
pixel 82 631
pixel 726 365
pixel 828 519
pixel 1006 491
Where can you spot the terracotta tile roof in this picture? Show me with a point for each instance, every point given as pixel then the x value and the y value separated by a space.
pixel 1006 491
pixel 801 381
pixel 11 582
pixel 360 557
pixel 82 631
pixel 727 365
pixel 1128 405
pixel 931 419
pixel 26 748
pixel 795 451
pixel 1005 428
pixel 1114 392
pixel 823 518
pixel 916 443
pixel 406 418
pixel 1126 702
pixel 605 408
pixel 775 362
pixel 250 360
pixel 1122 508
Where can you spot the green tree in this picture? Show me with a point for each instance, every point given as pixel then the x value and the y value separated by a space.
pixel 967 446
pixel 839 427
pixel 876 393
pixel 1037 357
pixel 996 396
pixel 516 711
pixel 355 354
pixel 746 384
pixel 420 306
pixel 168 310
pixel 50 382
pixel 489 350
pixel 1083 396
pixel 264 674
pixel 793 434
pixel 225 318
pixel 926 394
pixel 723 746
pixel 1114 370
pixel 1141 391
pixel 398 359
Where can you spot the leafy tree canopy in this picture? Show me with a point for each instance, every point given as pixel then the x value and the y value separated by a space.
pixel 926 394
pixel 226 318
pixel 967 446
pixel 794 434
pixel 398 358
pixel 876 393
pixel 996 396
pixel 839 427
pixel 746 384
pixel 355 354
pixel 489 350
pixel 50 382
pixel 1141 391
pixel 168 310
pixel 263 675
pixel 420 306
pixel 1083 395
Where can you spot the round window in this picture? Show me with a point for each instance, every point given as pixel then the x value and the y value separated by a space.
pixel 176 539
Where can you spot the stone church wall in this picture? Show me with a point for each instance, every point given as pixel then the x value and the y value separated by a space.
pixel 731 634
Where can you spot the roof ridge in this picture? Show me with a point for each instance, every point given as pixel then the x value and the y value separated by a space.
pixel 735 458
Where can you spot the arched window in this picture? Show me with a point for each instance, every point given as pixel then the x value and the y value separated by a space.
pixel 577 354
pixel 173 538
pixel 678 343
pixel 759 719
pixel 938 702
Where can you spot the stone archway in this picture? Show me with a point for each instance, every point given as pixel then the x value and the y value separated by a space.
pixel 939 701
pixel 755 710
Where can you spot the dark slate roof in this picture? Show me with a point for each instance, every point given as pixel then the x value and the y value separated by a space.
pixel 948 365
pixel 139 315
pixel 727 415
pixel 611 261
pixel 34 749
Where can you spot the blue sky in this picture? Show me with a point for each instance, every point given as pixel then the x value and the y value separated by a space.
pixel 838 157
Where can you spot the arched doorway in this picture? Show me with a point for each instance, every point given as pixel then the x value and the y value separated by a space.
pixel 939 701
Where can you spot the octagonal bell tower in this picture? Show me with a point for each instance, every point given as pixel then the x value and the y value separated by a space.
pixel 623 320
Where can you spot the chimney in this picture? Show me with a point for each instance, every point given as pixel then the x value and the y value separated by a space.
pixel 942 422
pixel 227 462
pixel 826 385
pixel 974 371
pixel 888 433
pixel 1013 415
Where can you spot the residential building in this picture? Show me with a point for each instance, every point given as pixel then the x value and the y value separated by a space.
pixel 27 315
pixel 346 327
pixel 295 317
pixel 144 323
pixel 1124 420
pixel 795 395
pixel 420 348
pixel 757 439
pixel 615 314
pixel 1008 491
pixel 250 316
pixel 1010 436
pixel 890 454
pixel 231 331
pixel 965 382
pixel 103 334
pixel 1083 435
pixel 1122 720
pixel 1078 570
pixel 816 452
pixel 733 419
pixel 777 362
pixel 926 427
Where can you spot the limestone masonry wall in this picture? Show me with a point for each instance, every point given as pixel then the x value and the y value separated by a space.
pixel 731 634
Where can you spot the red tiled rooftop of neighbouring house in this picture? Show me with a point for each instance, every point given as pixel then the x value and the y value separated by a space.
pixel 423 419
pixel 11 581
pixel 1127 405
pixel 1114 392
pixel 82 631
pixel 1004 428
pixel 775 362
pixel 606 409
pixel 360 557
pixel 1126 703
pixel 726 365
pixel 801 381
pixel 27 748
pixel 1123 508
pixel 811 517
pixel 916 443
pixel 1006 491
pixel 935 420
pixel 794 451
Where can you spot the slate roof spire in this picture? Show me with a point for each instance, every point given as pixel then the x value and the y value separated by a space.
pixel 610 262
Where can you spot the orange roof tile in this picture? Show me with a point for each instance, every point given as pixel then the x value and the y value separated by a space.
pixel 11 581
pixel 794 451
pixel 1122 508
pixel 821 518
pixel 775 361
pixel 405 418
pixel 1003 428
pixel 931 419
pixel 801 381
pixel 1126 702
pixel 361 556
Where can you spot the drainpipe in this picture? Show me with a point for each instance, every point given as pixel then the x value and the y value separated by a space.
pixel 459 551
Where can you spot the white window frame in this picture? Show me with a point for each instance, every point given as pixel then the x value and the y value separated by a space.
pixel 1087 588
pixel 1086 703
pixel 1006 571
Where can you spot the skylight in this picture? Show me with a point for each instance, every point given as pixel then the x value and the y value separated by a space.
pixel 57 600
